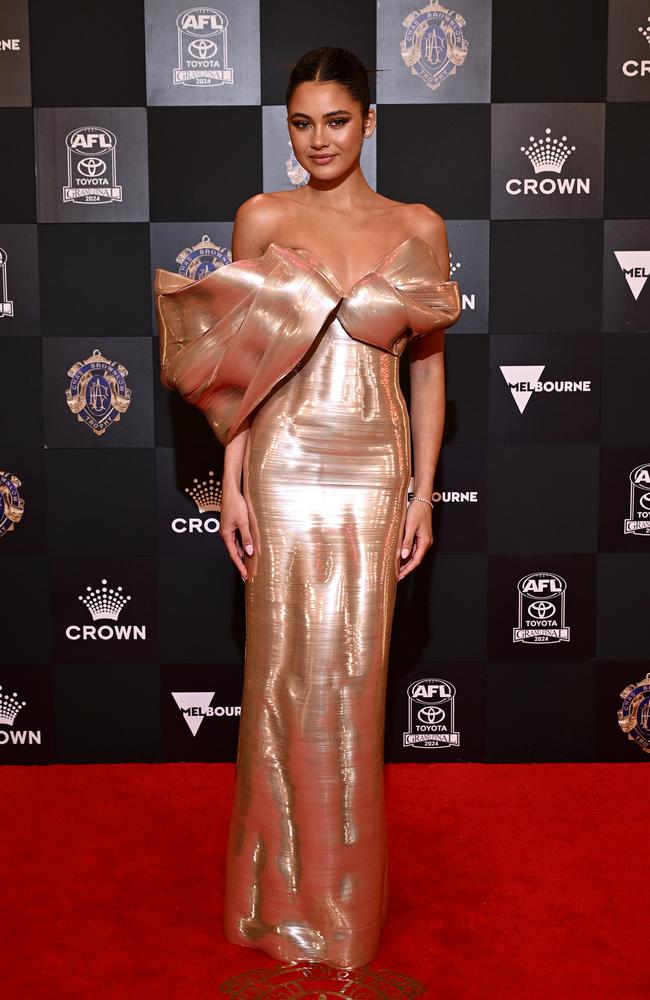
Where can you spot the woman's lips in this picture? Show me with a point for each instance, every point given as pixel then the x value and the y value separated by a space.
pixel 323 159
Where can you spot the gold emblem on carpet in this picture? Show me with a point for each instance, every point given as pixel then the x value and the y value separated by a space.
pixel 314 981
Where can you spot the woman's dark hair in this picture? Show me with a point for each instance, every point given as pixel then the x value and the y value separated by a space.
pixel 336 65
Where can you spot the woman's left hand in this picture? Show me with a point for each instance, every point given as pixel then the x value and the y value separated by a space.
pixel 418 536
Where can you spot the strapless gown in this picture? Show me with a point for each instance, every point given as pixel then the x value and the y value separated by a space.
pixel 314 372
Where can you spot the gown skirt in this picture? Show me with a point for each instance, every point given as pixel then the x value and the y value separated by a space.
pixel 325 476
pixel 326 471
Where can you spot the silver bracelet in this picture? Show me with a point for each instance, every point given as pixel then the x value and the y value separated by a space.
pixel 424 500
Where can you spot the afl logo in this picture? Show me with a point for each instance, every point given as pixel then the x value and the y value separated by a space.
pixel 634 716
pixel 431 714
pixel 541 609
pixel 638 523
pixel 90 154
pixel 98 393
pixel 433 45
pixel 6 305
pixel 12 505
pixel 202 48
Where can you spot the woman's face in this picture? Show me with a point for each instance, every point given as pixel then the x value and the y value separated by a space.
pixel 326 128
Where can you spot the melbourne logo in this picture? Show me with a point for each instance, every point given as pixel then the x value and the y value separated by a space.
pixel 524 380
pixel 98 393
pixel 433 46
pixel 638 523
pixel 548 156
pixel 10 707
pixel 91 166
pixel 6 305
pixel 202 48
pixel 634 715
pixel 201 259
pixel 206 495
pixel 455 496
pixel 105 604
pixel 541 609
pixel 196 706
pixel 12 505
pixel 635 265
pixel 431 711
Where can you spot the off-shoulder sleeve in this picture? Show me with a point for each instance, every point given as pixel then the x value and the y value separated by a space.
pixel 227 339
pixel 432 306
pixel 407 292
pixel 380 309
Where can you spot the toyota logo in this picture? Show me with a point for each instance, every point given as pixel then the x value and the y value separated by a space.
pixel 202 48
pixel 541 609
pixel 91 166
pixel 431 714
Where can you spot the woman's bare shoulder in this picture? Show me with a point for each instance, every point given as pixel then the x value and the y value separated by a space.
pixel 256 220
pixel 423 218
pixel 429 225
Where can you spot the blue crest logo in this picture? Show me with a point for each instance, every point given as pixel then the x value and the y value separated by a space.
pixel 433 45
pixel 12 505
pixel 202 259
pixel 634 716
pixel 98 393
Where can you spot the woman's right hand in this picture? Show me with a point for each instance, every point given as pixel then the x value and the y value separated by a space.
pixel 234 518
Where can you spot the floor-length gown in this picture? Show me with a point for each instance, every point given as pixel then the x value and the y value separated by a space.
pixel 274 343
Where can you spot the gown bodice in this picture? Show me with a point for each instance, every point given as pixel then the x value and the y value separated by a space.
pixel 227 339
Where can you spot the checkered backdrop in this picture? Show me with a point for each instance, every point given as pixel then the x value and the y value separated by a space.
pixel 130 135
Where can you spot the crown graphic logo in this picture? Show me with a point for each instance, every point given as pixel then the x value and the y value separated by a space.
pixel 10 706
pixel 104 602
pixel 207 494
pixel 548 154
pixel 644 29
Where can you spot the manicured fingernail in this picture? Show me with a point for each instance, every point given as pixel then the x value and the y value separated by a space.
pixel 405 552
pixel 249 549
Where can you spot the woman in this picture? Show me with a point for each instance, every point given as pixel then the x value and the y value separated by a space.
pixel 292 352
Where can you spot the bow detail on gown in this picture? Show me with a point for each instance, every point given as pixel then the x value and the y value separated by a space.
pixel 227 339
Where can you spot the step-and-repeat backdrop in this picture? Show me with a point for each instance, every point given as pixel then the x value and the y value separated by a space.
pixel 130 133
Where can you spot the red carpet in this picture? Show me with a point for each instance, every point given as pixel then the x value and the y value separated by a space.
pixel 509 882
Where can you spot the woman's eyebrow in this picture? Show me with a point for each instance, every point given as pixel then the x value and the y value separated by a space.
pixel 341 111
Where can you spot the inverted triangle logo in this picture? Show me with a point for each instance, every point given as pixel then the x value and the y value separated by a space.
pixel 635 265
pixel 521 380
pixel 194 705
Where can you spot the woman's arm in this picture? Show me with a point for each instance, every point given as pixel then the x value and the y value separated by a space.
pixel 427 408
pixel 427 376
pixel 252 219
pixel 427 372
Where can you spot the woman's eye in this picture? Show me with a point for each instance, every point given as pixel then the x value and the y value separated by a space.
pixel 334 121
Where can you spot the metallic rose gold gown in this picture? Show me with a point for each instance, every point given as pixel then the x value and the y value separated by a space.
pixel 274 343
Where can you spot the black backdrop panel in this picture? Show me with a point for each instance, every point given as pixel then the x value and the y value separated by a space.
pixel 123 617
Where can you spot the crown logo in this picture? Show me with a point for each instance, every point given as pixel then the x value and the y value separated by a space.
pixel 644 29
pixel 104 602
pixel 10 706
pixel 207 494
pixel 548 154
